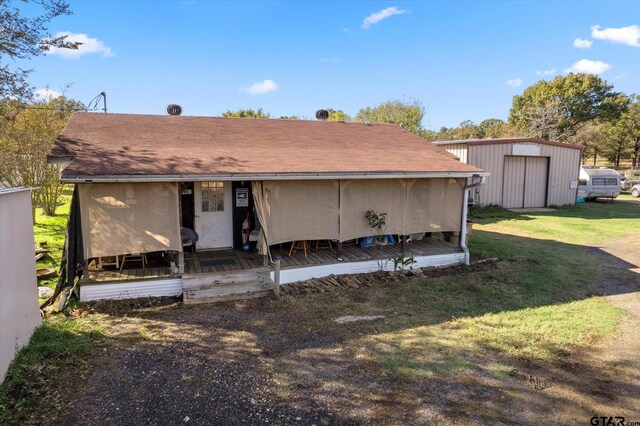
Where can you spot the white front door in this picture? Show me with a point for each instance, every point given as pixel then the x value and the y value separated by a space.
pixel 214 222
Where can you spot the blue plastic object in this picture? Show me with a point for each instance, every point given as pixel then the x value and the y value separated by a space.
pixel 366 242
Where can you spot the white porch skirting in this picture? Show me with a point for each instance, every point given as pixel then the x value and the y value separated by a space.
pixel 304 273
pixel 131 289
pixel 173 286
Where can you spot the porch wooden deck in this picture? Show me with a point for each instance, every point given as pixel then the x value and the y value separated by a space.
pixel 219 261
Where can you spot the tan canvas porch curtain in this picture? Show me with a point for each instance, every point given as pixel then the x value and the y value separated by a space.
pixel 380 195
pixel 119 218
pixel 332 209
pixel 297 210
pixel 433 205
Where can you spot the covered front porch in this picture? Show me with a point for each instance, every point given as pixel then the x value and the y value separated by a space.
pixel 218 270
pixel 223 261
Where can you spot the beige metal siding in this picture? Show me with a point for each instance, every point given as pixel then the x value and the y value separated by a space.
pixel 564 166
pixel 491 159
pixel 459 149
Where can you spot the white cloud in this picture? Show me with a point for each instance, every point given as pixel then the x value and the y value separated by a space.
pixel 261 87
pixel 324 60
pixel 516 82
pixel 552 71
pixel 89 45
pixel 581 43
pixel 376 17
pixel 624 35
pixel 588 66
pixel 45 94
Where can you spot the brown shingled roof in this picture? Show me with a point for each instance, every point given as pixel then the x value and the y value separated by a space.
pixel 158 145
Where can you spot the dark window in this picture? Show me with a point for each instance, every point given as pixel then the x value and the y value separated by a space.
pixel 611 181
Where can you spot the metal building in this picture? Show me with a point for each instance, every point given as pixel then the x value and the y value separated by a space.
pixel 525 172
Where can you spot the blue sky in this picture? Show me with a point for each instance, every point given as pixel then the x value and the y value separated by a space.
pixel 463 60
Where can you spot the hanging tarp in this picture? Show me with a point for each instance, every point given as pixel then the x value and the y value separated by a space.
pixel 262 213
pixel 380 195
pixel 303 210
pixel 129 218
pixel 433 205
pixel 299 210
pixel 72 253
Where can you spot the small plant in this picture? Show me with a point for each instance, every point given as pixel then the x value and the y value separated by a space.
pixel 378 223
pixel 402 261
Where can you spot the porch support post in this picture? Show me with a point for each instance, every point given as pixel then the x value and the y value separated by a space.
pixel 276 278
pixel 339 250
pixel 181 261
pixel 463 224
pixel 265 260
pixel 85 270
pixel 463 227
pixel 402 238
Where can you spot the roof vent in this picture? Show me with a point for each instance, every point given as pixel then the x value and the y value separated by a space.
pixel 174 109
pixel 322 114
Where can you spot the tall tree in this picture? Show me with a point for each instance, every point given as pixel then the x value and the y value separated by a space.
pixel 576 98
pixel 493 128
pixel 409 114
pixel 545 121
pixel 27 133
pixel 615 145
pixel 466 130
pixel 246 113
pixel 591 137
pixel 337 115
pixel 629 124
pixel 23 36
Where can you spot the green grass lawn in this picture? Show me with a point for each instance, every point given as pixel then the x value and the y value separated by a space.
pixel 51 229
pixel 536 305
pixel 585 224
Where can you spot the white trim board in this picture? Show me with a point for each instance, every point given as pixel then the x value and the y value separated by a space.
pixel 301 274
pixel 267 176
pixel 131 289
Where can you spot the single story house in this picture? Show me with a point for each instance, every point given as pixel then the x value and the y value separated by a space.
pixel 227 199
pixel 525 172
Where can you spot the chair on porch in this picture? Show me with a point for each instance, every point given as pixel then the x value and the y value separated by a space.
pixel 320 244
pixel 189 238
pixel 134 257
pixel 299 245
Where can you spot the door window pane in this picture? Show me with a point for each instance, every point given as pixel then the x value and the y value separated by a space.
pixel 212 196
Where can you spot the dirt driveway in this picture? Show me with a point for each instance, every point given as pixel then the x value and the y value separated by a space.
pixel 286 362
